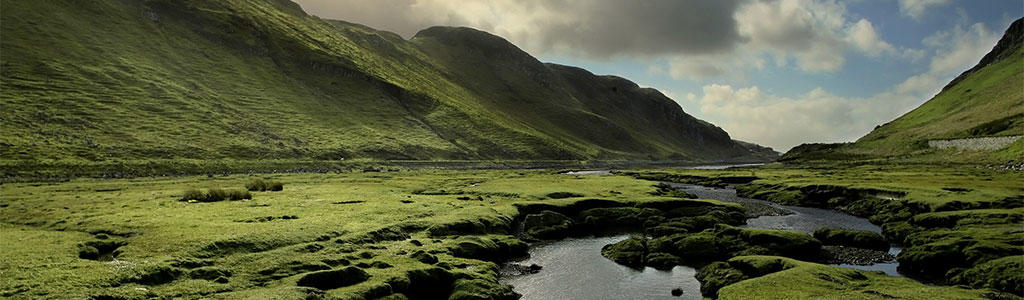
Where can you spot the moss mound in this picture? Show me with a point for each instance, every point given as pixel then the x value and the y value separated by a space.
pixel 851 238
pixel 547 225
pixel 630 252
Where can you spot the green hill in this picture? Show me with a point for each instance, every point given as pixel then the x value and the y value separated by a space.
pixel 112 80
pixel 985 101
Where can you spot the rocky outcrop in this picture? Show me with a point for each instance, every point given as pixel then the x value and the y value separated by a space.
pixel 978 143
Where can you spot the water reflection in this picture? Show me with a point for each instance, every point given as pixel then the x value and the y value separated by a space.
pixel 575 269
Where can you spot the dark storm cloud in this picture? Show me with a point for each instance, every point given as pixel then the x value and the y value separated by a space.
pixel 609 28
pixel 597 28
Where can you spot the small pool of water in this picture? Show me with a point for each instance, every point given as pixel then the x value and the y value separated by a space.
pixel 802 219
pixel 575 269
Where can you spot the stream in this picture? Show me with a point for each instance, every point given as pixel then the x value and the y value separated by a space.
pixel 574 268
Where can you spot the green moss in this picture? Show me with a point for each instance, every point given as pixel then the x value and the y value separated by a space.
pixel 949 219
pixel 630 252
pixel 547 225
pixel 1005 274
pixel 332 279
pixel 851 238
pixel 784 278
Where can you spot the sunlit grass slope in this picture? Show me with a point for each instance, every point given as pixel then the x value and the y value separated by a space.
pixel 260 79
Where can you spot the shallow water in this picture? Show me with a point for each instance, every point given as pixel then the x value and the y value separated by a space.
pixel 588 172
pixel 723 167
pixel 802 219
pixel 575 269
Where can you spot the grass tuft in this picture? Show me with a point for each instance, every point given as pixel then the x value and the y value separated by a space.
pixel 260 185
pixel 215 195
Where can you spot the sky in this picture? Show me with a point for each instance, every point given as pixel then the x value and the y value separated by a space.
pixel 774 72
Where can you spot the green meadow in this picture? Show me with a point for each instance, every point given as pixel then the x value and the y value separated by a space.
pixel 427 234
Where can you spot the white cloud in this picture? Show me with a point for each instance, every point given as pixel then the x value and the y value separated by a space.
pixel 750 114
pixel 916 8
pixel 955 50
pixel 782 122
pixel 863 36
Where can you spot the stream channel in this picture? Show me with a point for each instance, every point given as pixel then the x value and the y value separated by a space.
pixel 573 268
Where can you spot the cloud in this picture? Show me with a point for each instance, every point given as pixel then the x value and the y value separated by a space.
pixel 862 35
pixel 955 50
pixel 595 28
pixel 916 8
pixel 783 122
pixel 726 64
pixel 698 39
pixel 750 114
pixel 815 34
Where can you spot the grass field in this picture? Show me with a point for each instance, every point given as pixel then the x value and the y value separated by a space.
pixel 266 243
pixel 147 243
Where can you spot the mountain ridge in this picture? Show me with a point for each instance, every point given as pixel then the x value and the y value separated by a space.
pixel 185 79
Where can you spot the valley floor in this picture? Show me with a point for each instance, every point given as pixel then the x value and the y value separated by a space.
pixel 440 233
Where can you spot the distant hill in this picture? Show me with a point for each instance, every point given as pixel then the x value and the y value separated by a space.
pixel 260 79
pixel 985 101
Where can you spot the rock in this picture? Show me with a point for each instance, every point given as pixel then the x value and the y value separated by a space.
pixel 677 292
pixel 332 279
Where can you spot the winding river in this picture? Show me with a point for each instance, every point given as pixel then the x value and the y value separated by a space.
pixel 574 268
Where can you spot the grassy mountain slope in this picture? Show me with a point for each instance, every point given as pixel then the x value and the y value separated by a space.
pixel 188 79
pixel 987 100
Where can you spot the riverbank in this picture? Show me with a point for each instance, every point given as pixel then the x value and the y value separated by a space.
pixel 63 170
pixel 960 226
pixel 345 236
